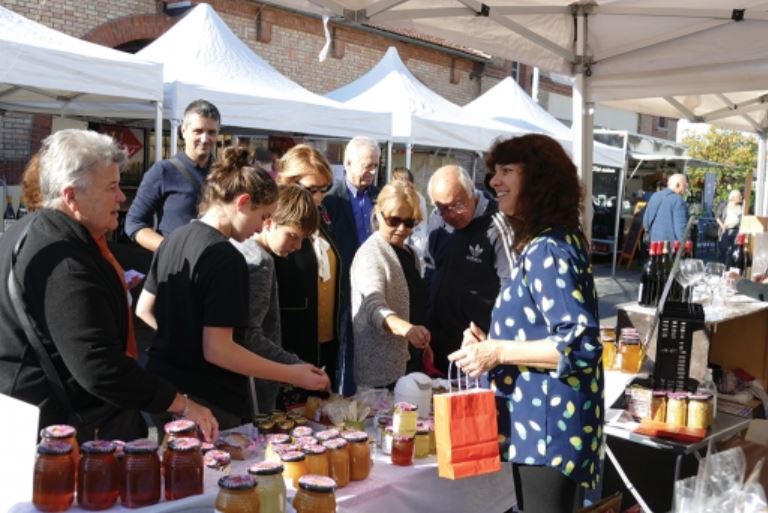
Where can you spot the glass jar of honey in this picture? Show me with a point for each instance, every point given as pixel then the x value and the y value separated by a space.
pixel 421 442
pixel 294 466
pixel 699 411
pixel 404 418
pixel 237 494
pixel 183 468
pixel 97 486
pixel 338 459
pixel 659 406
pixel 359 455
pixel 275 441
pixel 677 408
pixel 300 431
pixel 631 355
pixel 271 486
pixel 140 483
pixel 180 428
pixel 402 450
pixel 315 495
pixel 53 487
pixel 328 434
pixel 608 341
pixel 63 433
pixel 317 460
pixel 306 440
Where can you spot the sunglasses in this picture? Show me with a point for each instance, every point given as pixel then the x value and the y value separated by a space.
pixel 314 189
pixel 394 222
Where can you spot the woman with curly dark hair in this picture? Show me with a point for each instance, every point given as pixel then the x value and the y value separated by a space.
pixel 542 356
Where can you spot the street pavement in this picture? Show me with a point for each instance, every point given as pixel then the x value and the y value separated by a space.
pixel 613 290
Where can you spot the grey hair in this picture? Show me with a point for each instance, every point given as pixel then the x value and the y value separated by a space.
pixel 68 159
pixel 356 143
pixel 462 177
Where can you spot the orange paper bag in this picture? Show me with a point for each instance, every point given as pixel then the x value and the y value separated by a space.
pixel 466 433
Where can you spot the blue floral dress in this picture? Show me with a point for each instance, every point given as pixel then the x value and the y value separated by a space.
pixel 551 417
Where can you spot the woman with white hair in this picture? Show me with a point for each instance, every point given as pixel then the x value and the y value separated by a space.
pixel 728 220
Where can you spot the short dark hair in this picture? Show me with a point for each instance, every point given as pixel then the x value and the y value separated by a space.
pixel 402 171
pixel 204 109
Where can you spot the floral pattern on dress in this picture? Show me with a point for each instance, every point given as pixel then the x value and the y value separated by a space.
pixel 551 417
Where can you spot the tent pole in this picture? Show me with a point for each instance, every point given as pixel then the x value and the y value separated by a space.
pixel 174 137
pixel 583 111
pixel 761 199
pixel 408 151
pixel 619 206
pixel 159 131
pixel 389 160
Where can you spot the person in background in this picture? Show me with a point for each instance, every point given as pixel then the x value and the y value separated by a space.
pixel 466 259
pixel 542 355
pixel 264 158
pixel 31 195
pixel 170 190
pixel 295 219
pixel 728 220
pixel 74 296
pixel 197 296
pixel 388 294
pixel 349 204
pixel 309 279
pixel 666 214
pixel 419 236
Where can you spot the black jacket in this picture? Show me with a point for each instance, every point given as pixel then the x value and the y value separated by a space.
pixel 79 307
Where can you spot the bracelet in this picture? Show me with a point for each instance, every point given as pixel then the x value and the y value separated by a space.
pixel 186 406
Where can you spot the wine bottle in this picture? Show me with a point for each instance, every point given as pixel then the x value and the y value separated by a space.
pixel 741 260
pixel 676 292
pixel 647 290
pixel 8 216
pixel 22 210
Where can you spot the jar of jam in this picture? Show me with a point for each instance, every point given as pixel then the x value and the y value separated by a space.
pixel 359 455
pixel 300 431
pixel 63 433
pixel 237 494
pixel 317 460
pixel 271 486
pixel 266 426
pixel 659 406
pixel 274 441
pixel 402 450
pixel 421 442
pixel 97 486
pixel 183 468
pixel 338 459
pixel 328 434
pixel 286 425
pixel 677 408
pixel 53 487
pixel 140 483
pixel 294 466
pixel 608 341
pixel 631 355
pixel 699 411
pixel 315 495
pixel 306 440
pixel 181 428
pixel 404 419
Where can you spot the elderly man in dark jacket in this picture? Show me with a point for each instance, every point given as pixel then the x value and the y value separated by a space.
pixel 64 315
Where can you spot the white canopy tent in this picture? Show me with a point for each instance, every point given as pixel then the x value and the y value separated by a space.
pixel 507 102
pixel 419 115
pixel 45 71
pixel 203 58
pixel 614 49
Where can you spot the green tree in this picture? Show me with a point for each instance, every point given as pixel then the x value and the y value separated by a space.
pixel 729 147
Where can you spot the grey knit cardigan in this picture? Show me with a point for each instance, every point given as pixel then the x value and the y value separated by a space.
pixel 379 289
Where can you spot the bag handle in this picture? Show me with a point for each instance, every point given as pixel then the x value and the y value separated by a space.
pixel 458 379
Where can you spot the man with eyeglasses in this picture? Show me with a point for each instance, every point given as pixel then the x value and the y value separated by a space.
pixel 349 205
pixel 465 262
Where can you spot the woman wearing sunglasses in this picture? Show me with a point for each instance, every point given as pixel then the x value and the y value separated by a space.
pixel 388 294
pixel 309 279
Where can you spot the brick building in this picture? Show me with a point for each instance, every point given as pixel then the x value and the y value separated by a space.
pixel 289 41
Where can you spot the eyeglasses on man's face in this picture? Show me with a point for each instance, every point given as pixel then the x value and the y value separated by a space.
pixel 395 221
pixel 456 207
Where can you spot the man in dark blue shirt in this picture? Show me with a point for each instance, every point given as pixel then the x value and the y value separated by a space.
pixel 170 190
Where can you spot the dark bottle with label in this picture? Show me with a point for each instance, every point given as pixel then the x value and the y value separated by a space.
pixel 22 210
pixel 741 258
pixel 8 216
pixel 676 292
pixel 647 291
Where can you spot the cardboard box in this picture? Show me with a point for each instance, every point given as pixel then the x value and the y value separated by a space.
pixel 752 409
pixel 753 224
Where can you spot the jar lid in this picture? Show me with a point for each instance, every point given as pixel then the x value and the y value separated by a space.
pixel 301 431
pixel 266 425
pixel 306 440
pixel 141 446
pixel 403 438
pixel 237 482
pixel 54 447
pixel 266 468
pixel 58 431
pixel 291 456
pixel 660 393
pixel 300 421
pixel 216 459
pixel 180 426
pixel 678 395
pixel 356 436
pixel 327 434
pixel 313 449
pixel 335 443
pixel 385 420
pixel 282 448
pixel 316 483
pixel 206 446
pixel 278 439
pixel 404 406
pixel 630 341
pixel 700 396
pixel 98 447
pixel 286 424
pixel 184 444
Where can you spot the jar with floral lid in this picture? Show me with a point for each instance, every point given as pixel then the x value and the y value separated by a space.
pixel 237 494
pixel 183 468
pixel 677 408
pixel 97 477
pixel 338 459
pixel 421 441
pixel 328 434
pixel 300 431
pixel 271 486
pixel 403 448
pixel 699 411
pixel 359 455
pixel 315 495
pixel 53 486
pixel 140 479
pixel 180 428
pixel 294 466
pixel 63 433
pixel 317 459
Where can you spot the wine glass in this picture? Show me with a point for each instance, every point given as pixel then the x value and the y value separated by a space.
pixel 693 269
pixel 713 277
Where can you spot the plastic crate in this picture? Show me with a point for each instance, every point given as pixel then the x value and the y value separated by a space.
pixel 674 339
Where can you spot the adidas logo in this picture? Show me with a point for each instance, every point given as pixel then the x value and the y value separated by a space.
pixel 474 254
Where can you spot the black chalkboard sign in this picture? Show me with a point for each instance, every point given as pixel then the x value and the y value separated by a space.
pixel 632 239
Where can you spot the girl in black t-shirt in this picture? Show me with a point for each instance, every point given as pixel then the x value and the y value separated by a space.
pixel 196 296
